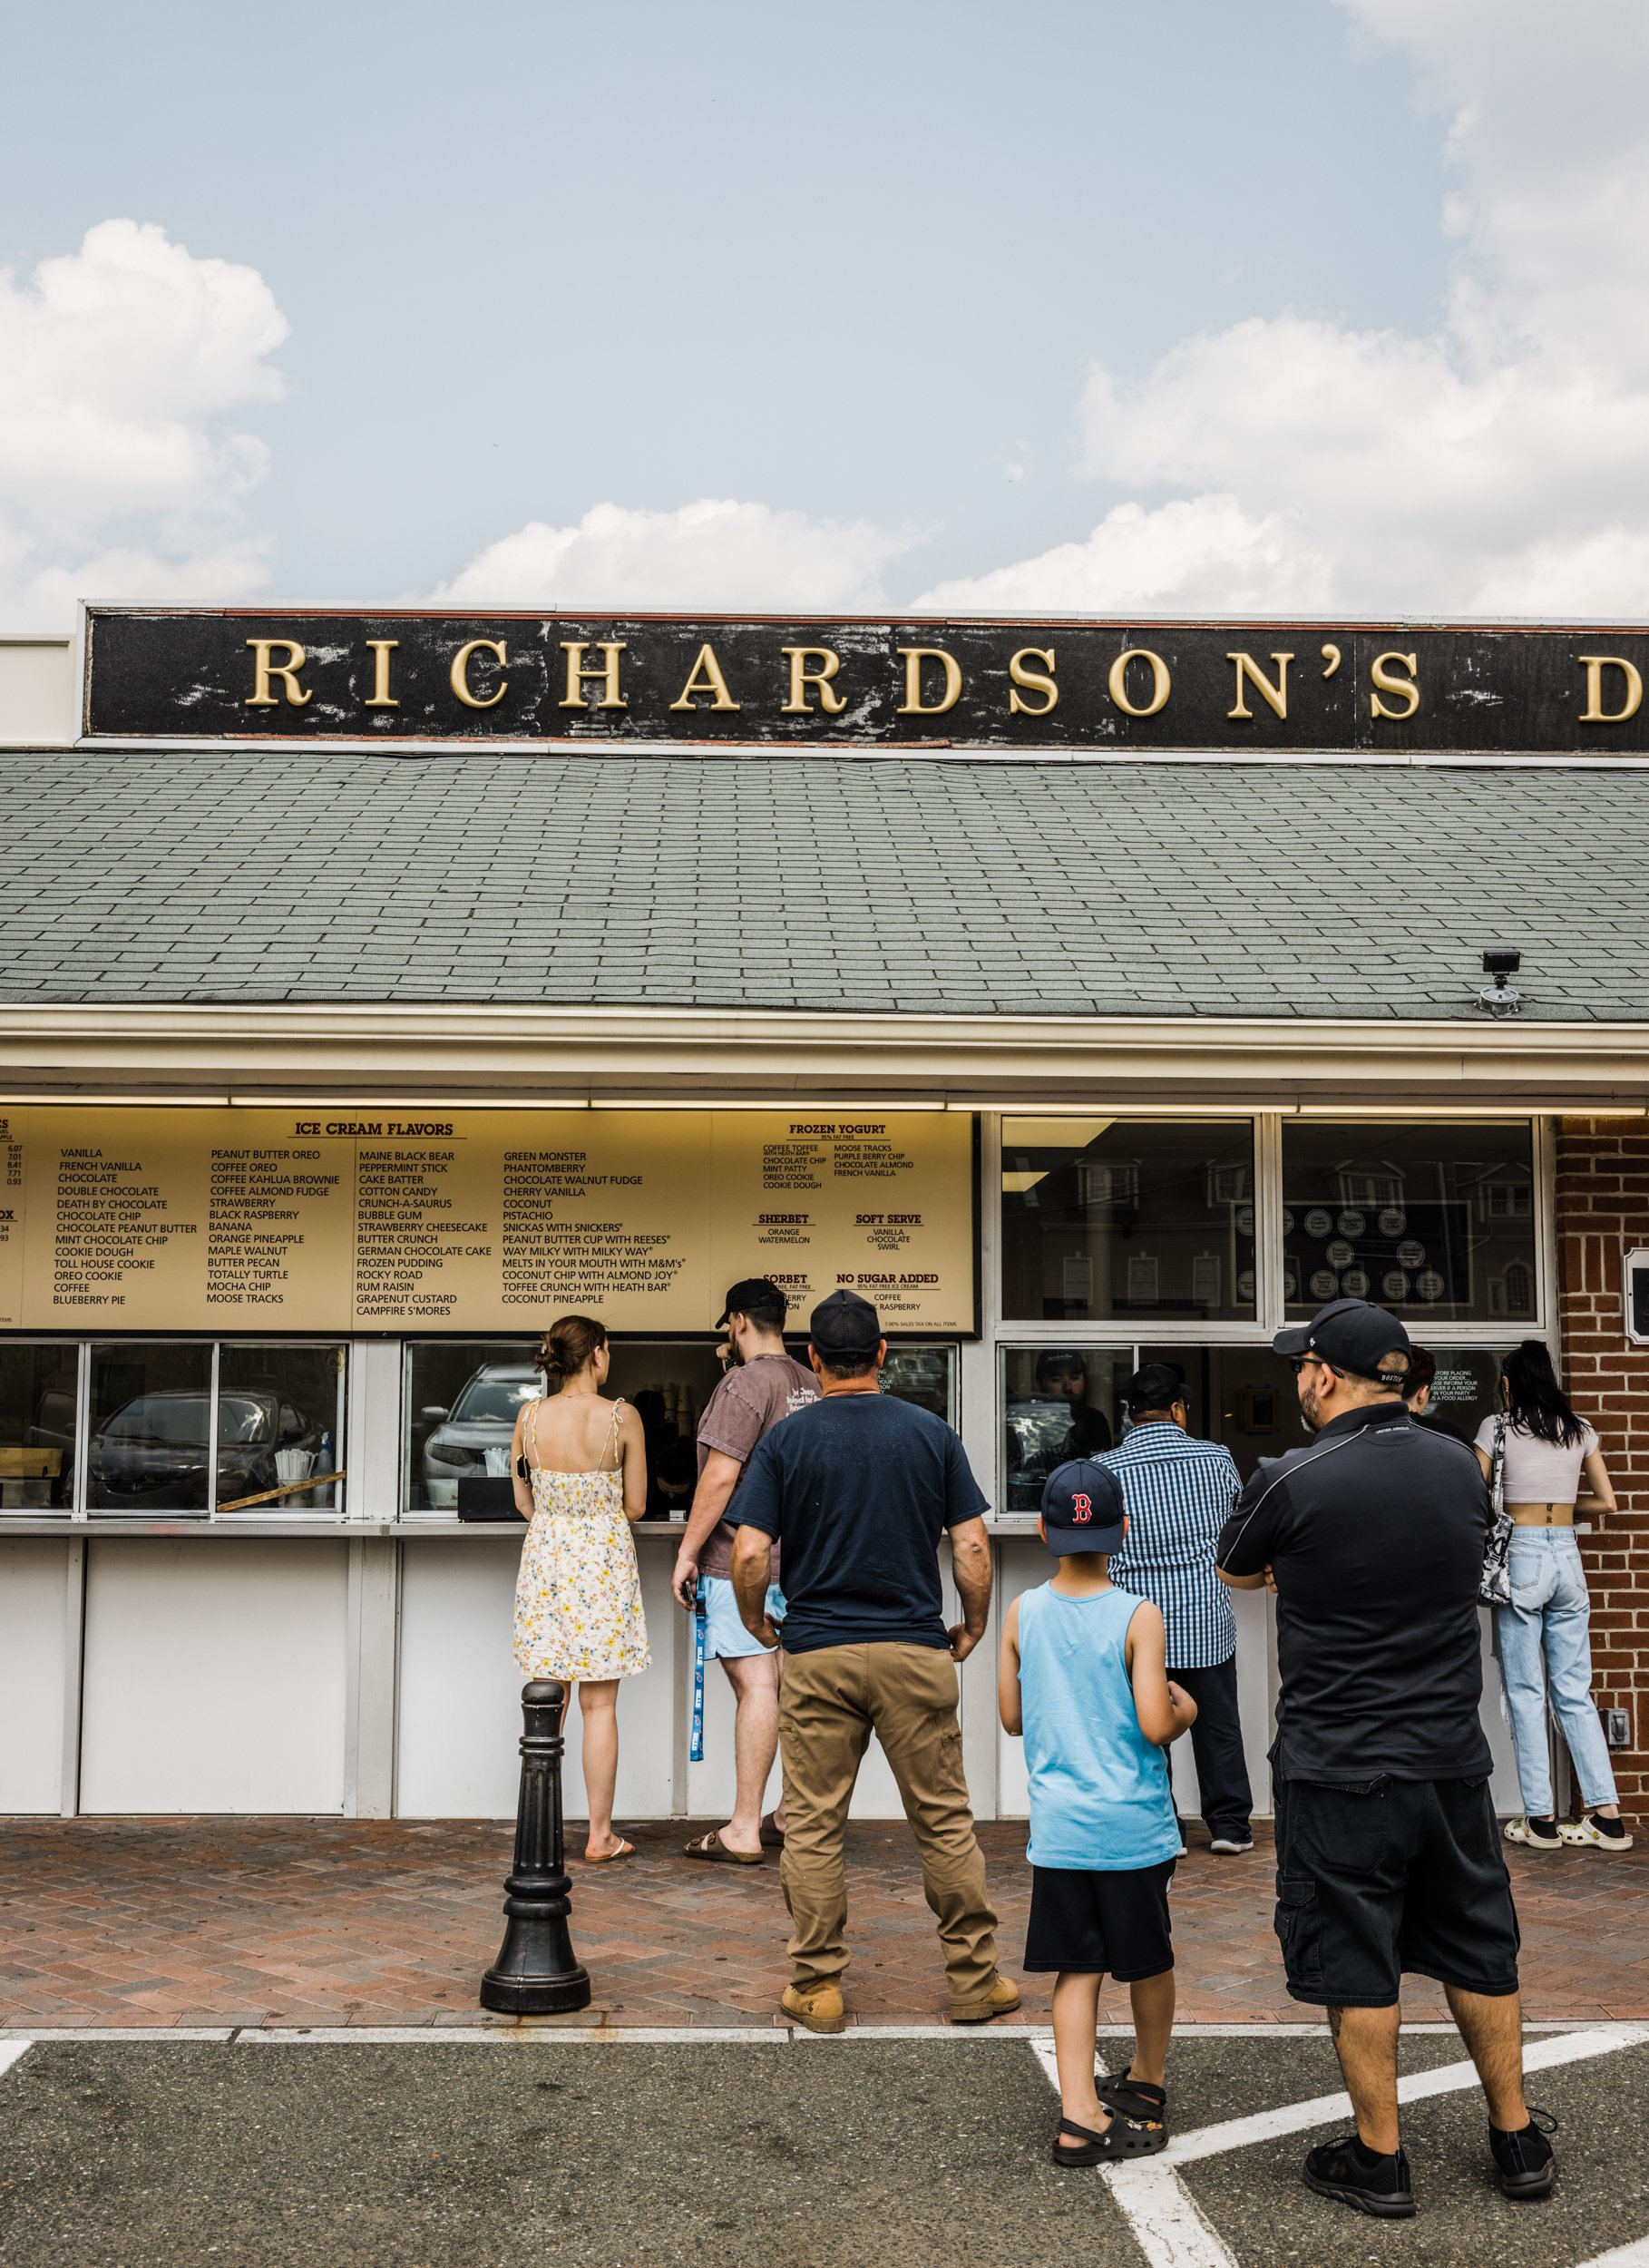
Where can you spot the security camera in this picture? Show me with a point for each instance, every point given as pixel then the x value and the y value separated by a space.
pixel 1499 998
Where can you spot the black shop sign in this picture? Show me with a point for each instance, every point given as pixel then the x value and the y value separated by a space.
pixel 179 674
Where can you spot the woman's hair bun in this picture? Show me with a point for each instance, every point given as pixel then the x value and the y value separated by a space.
pixel 569 1343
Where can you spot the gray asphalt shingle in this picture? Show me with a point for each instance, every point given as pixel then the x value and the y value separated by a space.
pixel 882 885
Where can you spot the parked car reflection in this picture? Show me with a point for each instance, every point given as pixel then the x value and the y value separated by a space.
pixel 156 1450
pixel 481 1418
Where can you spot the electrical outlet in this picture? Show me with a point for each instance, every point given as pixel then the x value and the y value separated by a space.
pixel 1618 1728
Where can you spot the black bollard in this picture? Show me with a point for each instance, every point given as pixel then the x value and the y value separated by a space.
pixel 535 1973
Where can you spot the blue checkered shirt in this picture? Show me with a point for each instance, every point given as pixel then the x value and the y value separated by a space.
pixel 1179 1493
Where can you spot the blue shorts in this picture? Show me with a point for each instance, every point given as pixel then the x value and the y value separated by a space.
pixel 726 1637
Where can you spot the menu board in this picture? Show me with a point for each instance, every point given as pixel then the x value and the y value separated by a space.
pixel 213 1219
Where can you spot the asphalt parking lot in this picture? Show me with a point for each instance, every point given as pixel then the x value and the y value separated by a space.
pixel 823 2154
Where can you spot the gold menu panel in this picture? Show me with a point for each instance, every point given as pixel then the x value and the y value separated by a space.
pixel 226 1220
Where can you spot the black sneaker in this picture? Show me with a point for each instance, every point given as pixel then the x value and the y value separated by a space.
pixel 1524 2162
pixel 1338 2169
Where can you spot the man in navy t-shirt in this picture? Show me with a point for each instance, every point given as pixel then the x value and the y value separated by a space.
pixel 858 1489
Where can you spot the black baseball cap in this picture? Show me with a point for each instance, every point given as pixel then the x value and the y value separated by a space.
pixel 844 1324
pixel 1082 1508
pixel 1350 1335
pixel 752 1291
pixel 1157 1386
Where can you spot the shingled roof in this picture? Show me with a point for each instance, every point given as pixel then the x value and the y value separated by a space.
pixel 860 885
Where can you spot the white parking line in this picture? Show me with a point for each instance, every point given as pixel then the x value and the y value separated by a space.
pixel 1171 2231
pixel 12 2051
pixel 1633 2255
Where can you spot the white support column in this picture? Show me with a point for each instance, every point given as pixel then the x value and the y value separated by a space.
pixel 373 1644
pixel 74 1656
pixel 373 1491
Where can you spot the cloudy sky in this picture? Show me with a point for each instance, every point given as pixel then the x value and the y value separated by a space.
pixel 1215 305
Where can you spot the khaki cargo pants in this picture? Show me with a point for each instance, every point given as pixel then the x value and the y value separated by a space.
pixel 831 1700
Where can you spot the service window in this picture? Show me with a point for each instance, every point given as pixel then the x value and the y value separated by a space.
pixel 1122 1217
pixel 280 1422
pixel 460 1400
pixel 1057 1402
pixel 923 1374
pixel 39 1401
pixel 150 1429
pixel 1431 1221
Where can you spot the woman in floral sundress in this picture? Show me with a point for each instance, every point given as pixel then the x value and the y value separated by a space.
pixel 580 1467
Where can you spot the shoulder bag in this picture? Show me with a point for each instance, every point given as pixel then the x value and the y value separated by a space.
pixel 1494 1585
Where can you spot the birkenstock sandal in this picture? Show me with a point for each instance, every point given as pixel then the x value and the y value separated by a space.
pixel 714 1852
pixel 1122 2138
pixel 773 1834
pixel 1135 2098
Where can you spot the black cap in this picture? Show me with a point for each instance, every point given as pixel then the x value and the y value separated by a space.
pixel 1157 1386
pixel 753 1290
pixel 844 1324
pixel 1350 1335
pixel 1082 1508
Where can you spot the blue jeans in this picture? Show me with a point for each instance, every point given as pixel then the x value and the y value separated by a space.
pixel 1550 1606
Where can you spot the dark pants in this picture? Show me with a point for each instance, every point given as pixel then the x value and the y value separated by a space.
pixel 1217 1744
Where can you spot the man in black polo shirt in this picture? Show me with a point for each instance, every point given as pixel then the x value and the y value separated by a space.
pixel 1388 1854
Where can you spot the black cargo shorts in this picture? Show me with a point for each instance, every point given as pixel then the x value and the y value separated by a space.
pixel 1388 1877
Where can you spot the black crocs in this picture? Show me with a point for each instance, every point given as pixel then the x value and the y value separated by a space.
pixel 1122 2138
pixel 1135 2098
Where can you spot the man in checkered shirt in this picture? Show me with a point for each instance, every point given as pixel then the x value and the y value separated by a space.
pixel 1179 1493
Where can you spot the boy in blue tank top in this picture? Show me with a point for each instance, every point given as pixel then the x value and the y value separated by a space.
pixel 1084 1677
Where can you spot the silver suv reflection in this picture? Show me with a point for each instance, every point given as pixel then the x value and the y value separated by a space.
pixel 483 1418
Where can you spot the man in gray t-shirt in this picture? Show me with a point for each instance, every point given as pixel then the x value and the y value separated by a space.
pixel 762 1385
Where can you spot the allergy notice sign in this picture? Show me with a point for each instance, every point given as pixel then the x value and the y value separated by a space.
pixel 155 1218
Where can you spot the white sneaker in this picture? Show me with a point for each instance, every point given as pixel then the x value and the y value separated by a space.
pixel 1586 1833
pixel 1229 1847
pixel 1520 1831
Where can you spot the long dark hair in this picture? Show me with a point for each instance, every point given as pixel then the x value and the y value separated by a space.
pixel 1536 1401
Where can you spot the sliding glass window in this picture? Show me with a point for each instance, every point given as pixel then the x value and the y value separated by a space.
pixel 1435 1222
pixel 1124 1217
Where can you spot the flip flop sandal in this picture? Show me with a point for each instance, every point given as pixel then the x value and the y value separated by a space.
pixel 714 1852
pixel 1135 2098
pixel 611 1858
pixel 773 1836
pixel 1122 2138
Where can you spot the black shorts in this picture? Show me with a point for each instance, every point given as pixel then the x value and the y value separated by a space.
pixel 1389 1877
pixel 1084 1919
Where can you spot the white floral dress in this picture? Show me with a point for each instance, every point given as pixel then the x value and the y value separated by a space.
pixel 578 1598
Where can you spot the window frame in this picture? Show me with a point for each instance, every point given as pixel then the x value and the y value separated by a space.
pixel 79 1513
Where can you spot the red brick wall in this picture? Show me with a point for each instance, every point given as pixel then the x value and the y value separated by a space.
pixel 1602 1211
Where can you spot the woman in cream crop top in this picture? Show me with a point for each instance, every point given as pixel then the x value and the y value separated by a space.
pixel 1548 1447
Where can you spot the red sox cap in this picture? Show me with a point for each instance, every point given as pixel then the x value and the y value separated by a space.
pixel 1082 1508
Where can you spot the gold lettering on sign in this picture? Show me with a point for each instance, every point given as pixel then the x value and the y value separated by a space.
pixel 1632 688
pixel 380 649
pixel 801 676
pixel 1249 673
pixel 460 672
pixel 704 677
pixel 1033 681
pixel 912 705
pixel 575 650
pixel 1161 684
pixel 1330 654
pixel 264 668
pixel 1385 680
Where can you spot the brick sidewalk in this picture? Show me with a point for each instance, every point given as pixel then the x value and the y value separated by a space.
pixel 338 1921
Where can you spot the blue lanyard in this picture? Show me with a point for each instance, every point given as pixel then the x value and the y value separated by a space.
pixel 696 1751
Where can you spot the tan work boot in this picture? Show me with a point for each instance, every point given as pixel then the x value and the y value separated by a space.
pixel 819 2008
pixel 1002 2000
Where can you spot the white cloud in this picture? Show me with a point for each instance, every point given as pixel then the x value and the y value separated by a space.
pixel 716 553
pixel 118 363
pixel 1500 463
